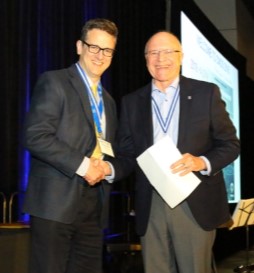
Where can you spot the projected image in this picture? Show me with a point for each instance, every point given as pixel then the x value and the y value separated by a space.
pixel 203 61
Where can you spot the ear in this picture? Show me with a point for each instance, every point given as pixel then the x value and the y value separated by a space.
pixel 79 47
pixel 181 57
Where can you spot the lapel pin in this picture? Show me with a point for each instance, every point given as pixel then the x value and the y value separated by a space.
pixel 189 97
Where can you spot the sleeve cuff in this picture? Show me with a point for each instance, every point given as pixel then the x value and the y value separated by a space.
pixel 208 166
pixel 110 178
pixel 82 169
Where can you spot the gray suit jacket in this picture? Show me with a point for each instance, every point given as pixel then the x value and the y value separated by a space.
pixel 59 132
pixel 204 129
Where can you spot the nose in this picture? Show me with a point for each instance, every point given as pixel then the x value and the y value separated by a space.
pixel 161 55
pixel 100 54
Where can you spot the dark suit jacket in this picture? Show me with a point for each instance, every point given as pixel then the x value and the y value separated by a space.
pixel 59 132
pixel 204 129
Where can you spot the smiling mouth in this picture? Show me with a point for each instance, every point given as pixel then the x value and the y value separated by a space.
pixel 97 63
pixel 161 66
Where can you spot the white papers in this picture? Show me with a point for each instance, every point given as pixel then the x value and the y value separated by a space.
pixel 155 163
pixel 243 213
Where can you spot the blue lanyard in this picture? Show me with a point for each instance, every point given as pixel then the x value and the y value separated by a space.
pixel 97 108
pixel 165 124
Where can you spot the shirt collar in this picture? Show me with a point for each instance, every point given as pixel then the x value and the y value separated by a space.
pixel 174 84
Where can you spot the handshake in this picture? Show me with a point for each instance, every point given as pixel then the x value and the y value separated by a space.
pixel 97 171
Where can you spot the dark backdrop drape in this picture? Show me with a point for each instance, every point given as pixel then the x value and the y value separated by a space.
pixel 40 35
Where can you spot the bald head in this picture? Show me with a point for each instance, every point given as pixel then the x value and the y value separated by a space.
pixel 163 53
pixel 162 37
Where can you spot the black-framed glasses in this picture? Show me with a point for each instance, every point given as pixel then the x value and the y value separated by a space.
pixel 108 52
pixel 164 52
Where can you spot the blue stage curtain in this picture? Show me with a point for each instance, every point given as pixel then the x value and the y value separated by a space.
pixel 40 35
pixel 36 36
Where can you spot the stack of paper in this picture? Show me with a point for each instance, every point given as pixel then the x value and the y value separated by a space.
pixel 155 163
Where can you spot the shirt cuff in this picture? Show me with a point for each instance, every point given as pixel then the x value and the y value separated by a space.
pixel 110 178
pixel 82 169
pixel 208 166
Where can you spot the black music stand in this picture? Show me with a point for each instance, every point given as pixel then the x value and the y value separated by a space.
pixel 244 216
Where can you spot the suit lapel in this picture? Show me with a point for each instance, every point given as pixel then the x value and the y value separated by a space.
pixel 146 121
pixel 186 96
pixel 81 90
pixel 110 116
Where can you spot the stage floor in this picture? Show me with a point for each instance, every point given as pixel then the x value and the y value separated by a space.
pixel 118 257
pixel 239 258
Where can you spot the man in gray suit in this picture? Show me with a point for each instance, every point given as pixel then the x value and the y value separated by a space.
pixel 68 123
pixel 191 112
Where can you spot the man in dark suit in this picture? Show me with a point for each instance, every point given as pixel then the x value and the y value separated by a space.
pixel 192 113
pixel 67 195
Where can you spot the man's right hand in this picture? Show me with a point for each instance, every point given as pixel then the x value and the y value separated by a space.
pixel 95 172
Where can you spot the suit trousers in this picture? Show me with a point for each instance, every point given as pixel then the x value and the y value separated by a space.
pixel 69 248
pixel 174 242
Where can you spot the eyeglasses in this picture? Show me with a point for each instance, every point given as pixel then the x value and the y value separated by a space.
pixel 165 52
pixel 108 52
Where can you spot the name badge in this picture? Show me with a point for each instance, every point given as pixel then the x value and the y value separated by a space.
pixel 105 147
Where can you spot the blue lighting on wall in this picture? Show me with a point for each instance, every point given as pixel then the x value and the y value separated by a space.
pixel 38 45
pixel 25 155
